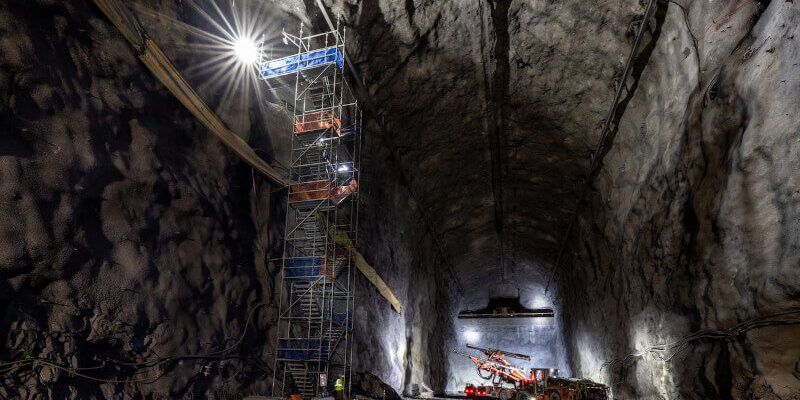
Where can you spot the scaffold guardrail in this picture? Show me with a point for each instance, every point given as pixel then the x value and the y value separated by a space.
pixel 316 317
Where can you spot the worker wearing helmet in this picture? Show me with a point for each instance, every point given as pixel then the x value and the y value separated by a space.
pixel 338 389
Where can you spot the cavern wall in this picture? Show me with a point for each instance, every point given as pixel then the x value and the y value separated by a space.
pixel 130 234
pixel 692 222
pixel 540 338
pixel 137 236
pixel 408 351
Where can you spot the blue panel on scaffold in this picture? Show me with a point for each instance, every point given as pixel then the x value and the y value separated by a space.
pixel 303 262
pixel 304 267
pixel 300 350
pixel 352 129
pixel 285 65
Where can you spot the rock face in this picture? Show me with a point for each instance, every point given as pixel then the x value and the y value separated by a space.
pixel 506 102
pixel 133 240
pixel 404 351
pixel 490 108
pixel 688 225
pixel 130 236
pixel 692 222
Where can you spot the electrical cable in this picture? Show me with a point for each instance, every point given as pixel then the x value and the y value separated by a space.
pixel 674 348
pixel 16 364
pixel 651 6
pixel 219 354
pixel 490 376
pixel 73 371
pixel 211 355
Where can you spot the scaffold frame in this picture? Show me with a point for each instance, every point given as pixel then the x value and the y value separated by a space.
pixel 315 340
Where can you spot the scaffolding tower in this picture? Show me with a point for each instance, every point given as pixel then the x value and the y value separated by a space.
pixel 314 346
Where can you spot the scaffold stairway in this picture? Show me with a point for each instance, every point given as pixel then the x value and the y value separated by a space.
pixel 301 377
pixel 315 315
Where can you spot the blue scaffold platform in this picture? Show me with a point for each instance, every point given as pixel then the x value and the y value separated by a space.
pixel 311 59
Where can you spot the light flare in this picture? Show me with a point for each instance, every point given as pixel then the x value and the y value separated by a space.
pixel 246 51
pixel 221 48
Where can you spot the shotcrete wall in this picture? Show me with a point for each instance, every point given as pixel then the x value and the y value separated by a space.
pixel 540 338
pixel 692 222
pixel 406 351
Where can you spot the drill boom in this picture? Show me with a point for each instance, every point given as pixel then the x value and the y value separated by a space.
pixel 490 352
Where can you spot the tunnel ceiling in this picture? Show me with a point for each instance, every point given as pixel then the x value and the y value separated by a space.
pixel 493 109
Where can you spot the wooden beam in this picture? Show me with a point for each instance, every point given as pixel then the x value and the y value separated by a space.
pixel 341 239
pixel 161 67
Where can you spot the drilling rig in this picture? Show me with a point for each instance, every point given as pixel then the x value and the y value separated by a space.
pixel 535 383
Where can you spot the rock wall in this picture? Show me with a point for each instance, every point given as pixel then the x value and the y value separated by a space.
pixel 139 244
pixel 405 351
pixel 134 241
pixel 692 222
pixel 134 244
pixel 540 338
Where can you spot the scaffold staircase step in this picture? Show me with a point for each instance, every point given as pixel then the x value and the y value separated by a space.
pixel 303 380
pixel 325 141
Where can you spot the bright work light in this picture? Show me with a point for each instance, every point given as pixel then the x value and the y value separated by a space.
pixel 246 50
pixel 472 336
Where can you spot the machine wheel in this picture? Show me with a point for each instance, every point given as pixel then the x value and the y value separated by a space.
pixel 503 395
pixel 522 395
pixel 554 396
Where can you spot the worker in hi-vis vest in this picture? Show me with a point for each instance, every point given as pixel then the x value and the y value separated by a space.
pixel 338 389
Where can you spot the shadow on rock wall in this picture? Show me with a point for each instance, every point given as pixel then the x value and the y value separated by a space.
pixel 693 225
pixel 133 244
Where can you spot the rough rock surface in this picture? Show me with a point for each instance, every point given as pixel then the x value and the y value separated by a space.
pixel 493 109
pixel 490 109
pixel 404 351
pixel 507 99
pixel 129 233
pixel 132 235
pixel 692 222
